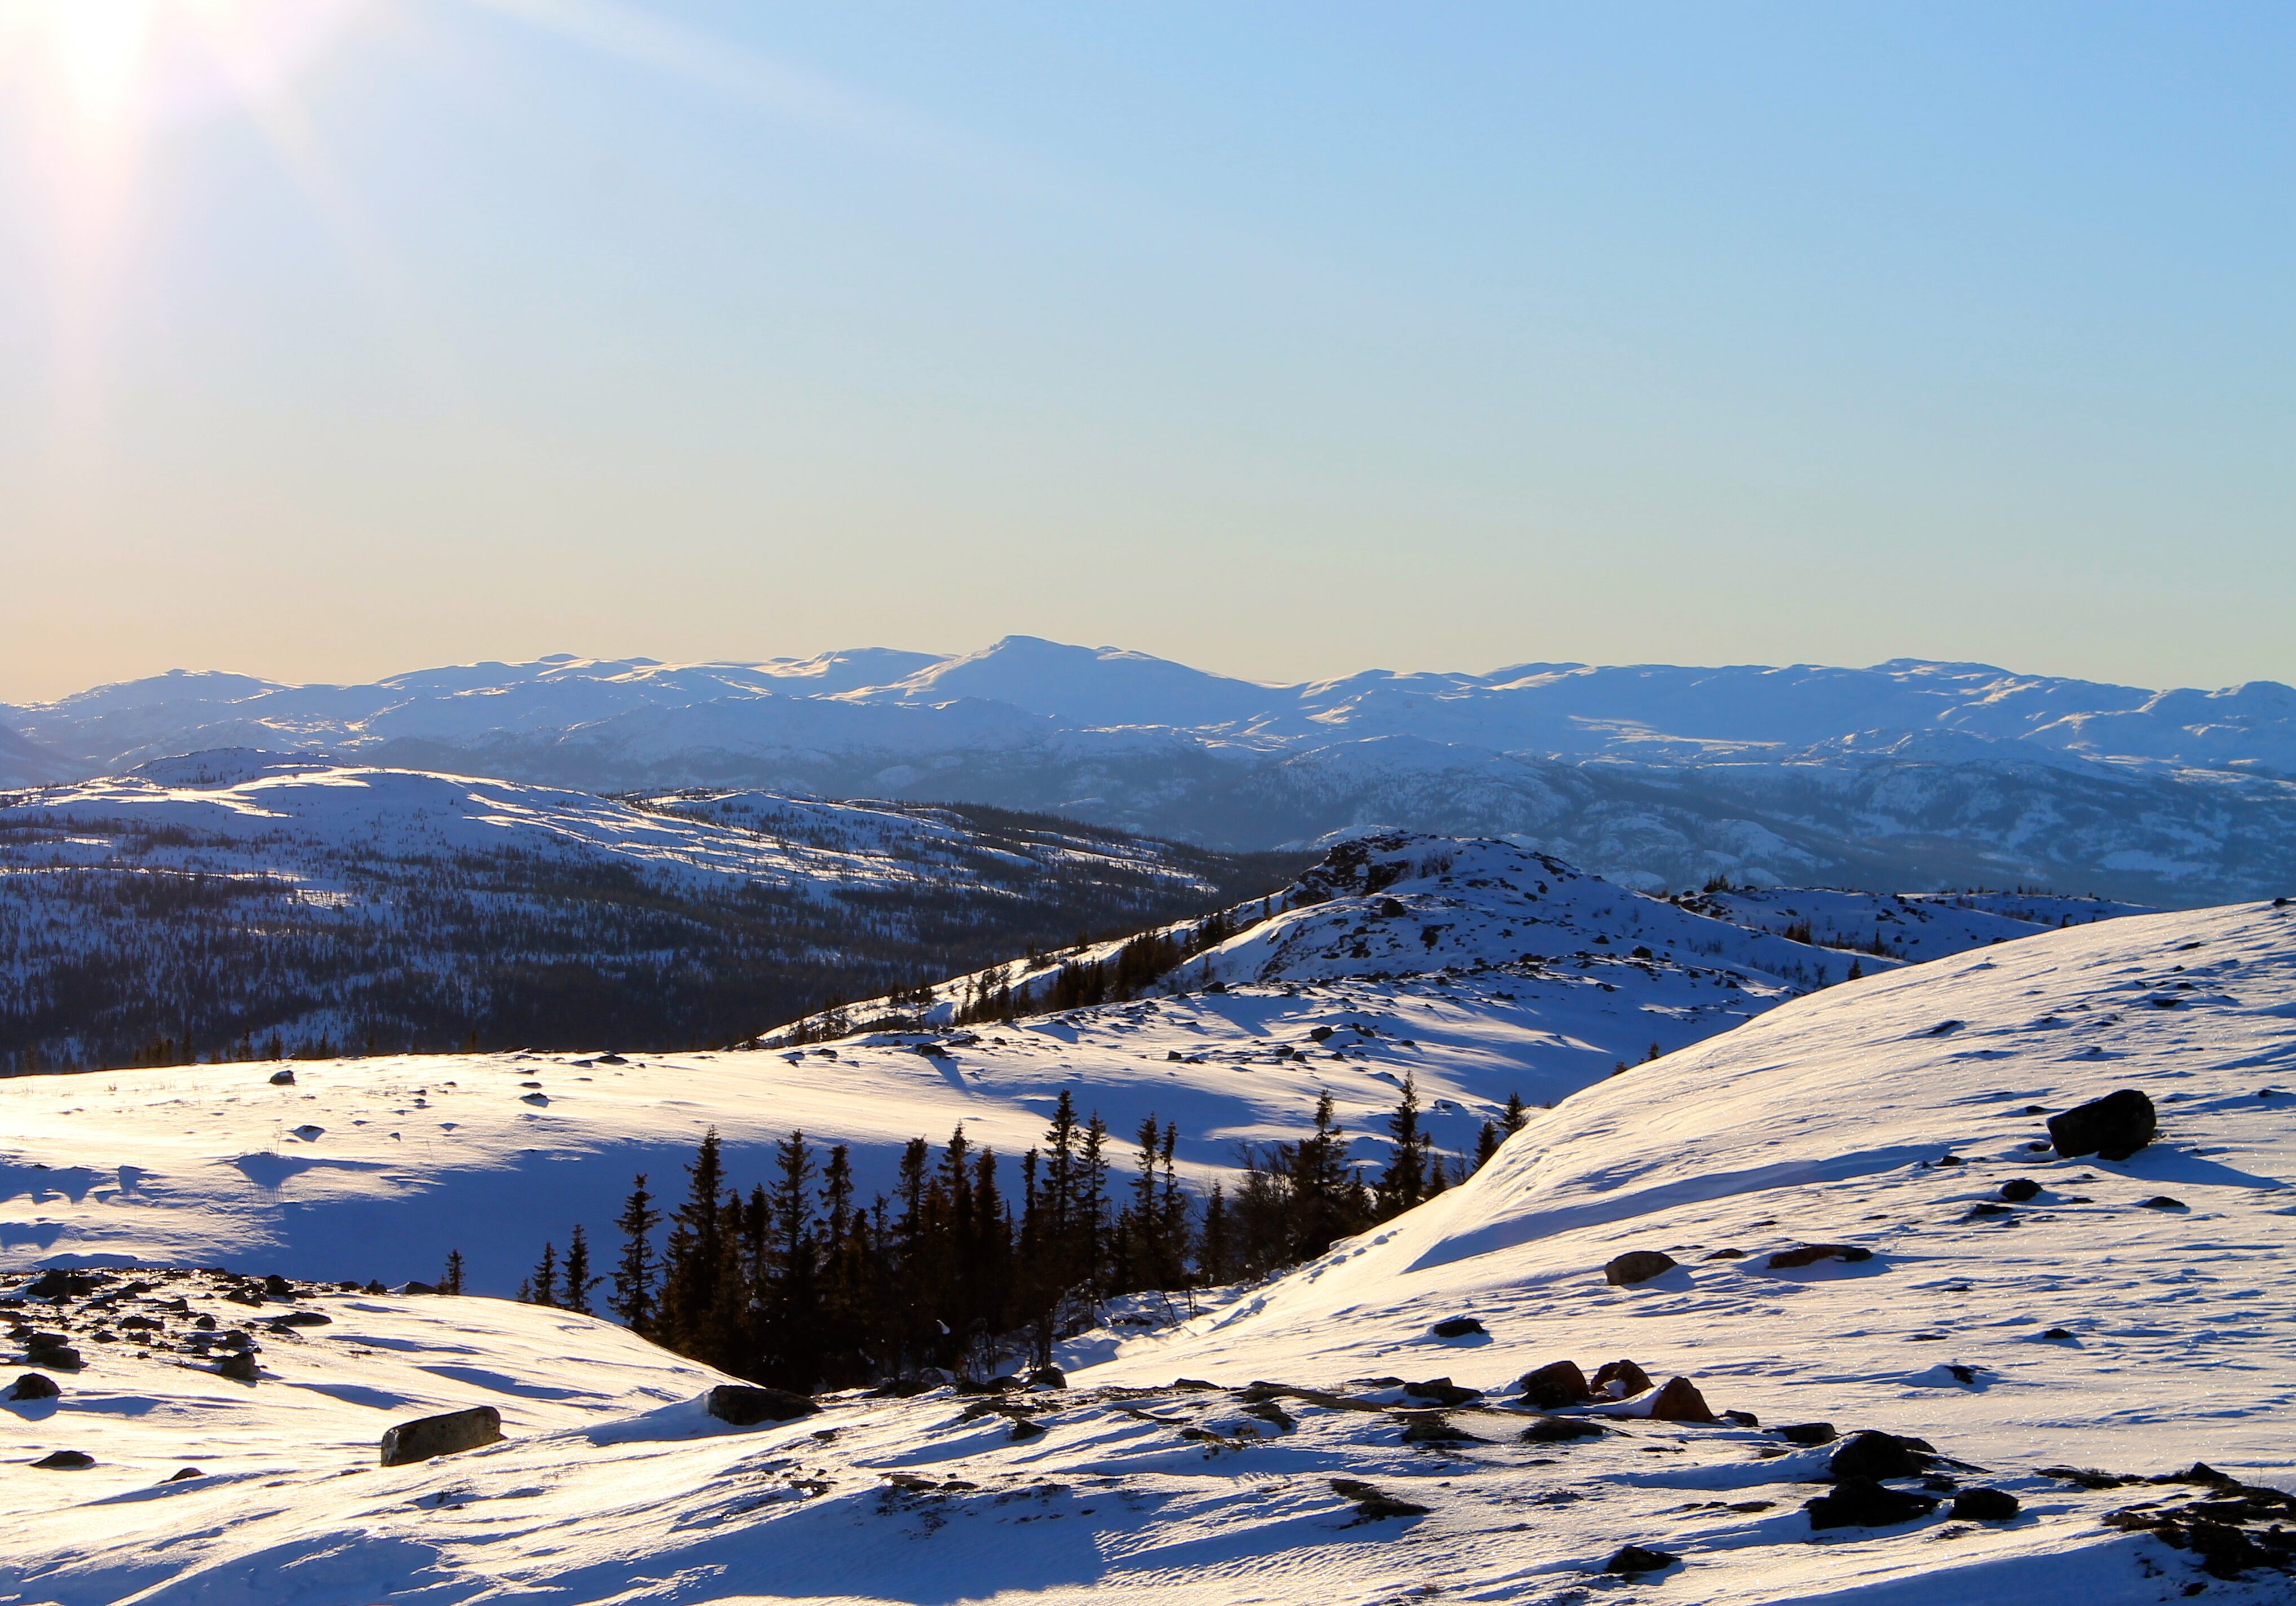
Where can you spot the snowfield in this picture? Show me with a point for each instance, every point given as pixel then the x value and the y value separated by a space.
pixel 1477 969
pixel 2095 1324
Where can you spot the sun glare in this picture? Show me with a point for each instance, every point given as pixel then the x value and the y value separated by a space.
pixel 108 62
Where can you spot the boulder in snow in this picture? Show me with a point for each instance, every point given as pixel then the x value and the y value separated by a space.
pixel 2112 1128
pixel 1862 1503
pixel 1620 1380
pixel 444 1435
pixel 33 1386
pixel 1679 1401
pixel 1985 1505
pixel 65 1461
pixel 1555 1385
pixel 1639 1558
pixel 746 1405
pixel 1875 1455
pixel 1637 1265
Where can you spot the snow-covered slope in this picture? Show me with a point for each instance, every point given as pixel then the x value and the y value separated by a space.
pixel 211 901
pixel 2092 1326
pixel 1476 967
pixel 1907 774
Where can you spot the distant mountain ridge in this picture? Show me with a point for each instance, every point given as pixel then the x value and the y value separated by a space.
pixel 1906 775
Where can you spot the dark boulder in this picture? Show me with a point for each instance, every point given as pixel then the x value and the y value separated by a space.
pixel 1561 1429
pixel 1443 1391
pixel 1628 1378
pixel 1874 1455
pixel 1637 1265
pixel 1807 1434
pixel 239 1367
pixel 31 1385
pixel 1456 1327
pixel 1679 1401
pixel 1985 1505
pixel 1810 1254
pixel 59 1282
pixel 184 1475
pixel 1434 1428
pixel 300 1318
pixel 745 1405
pixel 449 1434
pixel 2017 1190
pixel 278 1288
pixel 1048 1377
pixel 2112 1128
pixel 1862 1503
pixel 283 1079
pixel 1373 1503
pixel 2162 1201
pixel 1638 1558
pixel 49 1350
pixel 65 1461
pixel 1555 1385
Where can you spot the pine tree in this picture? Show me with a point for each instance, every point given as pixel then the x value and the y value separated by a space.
pixel 544 1282
pixel 1516 1115
pixel 579 1278
pixel 1405 1182
pixel 451 1280
pixel 1215 1250
pixel 633 1298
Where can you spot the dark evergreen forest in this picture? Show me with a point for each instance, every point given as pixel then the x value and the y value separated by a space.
pixel 122 959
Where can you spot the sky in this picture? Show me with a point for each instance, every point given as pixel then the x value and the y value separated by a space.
pixel 342 336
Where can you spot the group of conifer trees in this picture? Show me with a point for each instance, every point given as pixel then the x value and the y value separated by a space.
pixel 800 1284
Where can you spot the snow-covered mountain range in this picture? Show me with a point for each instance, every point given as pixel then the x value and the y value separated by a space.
pixel 2099 1344
pixel 1907 774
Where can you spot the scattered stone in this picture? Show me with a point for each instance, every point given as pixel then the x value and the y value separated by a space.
pixel 1807 1433
pixel 184 1475
pixel 1871 1455
pixel 2017 1190
pixel 58 1283
pixel 1985 1505
pixel 2112 1128
pixel 1637 1265
pixel 411 1288
pixel 1443 1391
pixel 2162 1201
pixel 1727 1255
pixel 1620 1380
pixel 50 1350
pixel 298 1318
pixel 1637 1558
pixel 1810 1254
pixel 239 1367
pixel 1435 1428
pixel 1373 1503
pixel 745 1405
pixel 1457 1327
pixel 283 1079
pixel 1048 1377
pixel 1980 1211
pixel 65 1461
pixel 278 1288
pixel 1741 1418
pixel 1272 1414
pixel 1561 1429
pixel 1556 1384
pixel 1862 1503
pixel 1679 1401
pixel 31 1385
pixel 1949 1160
pixel 1024 1430
pixel 449 1434
pixel 2058 1333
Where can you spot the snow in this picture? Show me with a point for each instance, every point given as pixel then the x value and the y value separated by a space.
pixel 1822 1120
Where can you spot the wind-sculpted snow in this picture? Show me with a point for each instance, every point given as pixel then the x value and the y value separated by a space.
pixel 1316 1439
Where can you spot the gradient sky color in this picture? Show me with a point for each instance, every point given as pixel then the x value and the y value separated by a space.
pixel 1283 339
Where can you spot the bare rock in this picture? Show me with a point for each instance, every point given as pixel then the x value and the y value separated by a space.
pixel 2112 1128
pixel 65 1461
pixel 1373 1503
pixel 449 1434
pixel 1620 1380
pixel 745 1405
pixel 1457 1327
pixel 1555 1385
pixel 2017 1190
pixel 1679 1401
pixel 1561 1429
pixel 239 1367
pixel 1810 1254
pixel 1876 1456
pixel 1443 1391
pixel 1862 1503
pixel 283 1079
pixel 1985 1505
pixel 1637 1265
pixel 31 1385
pixel 1638 1558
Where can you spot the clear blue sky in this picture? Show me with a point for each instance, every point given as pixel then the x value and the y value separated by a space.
pixel 1285 340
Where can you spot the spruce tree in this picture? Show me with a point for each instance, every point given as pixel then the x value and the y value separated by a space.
pixel 543 1283
pixel 1405 1182
pixel 633 1298
pixel 579 1281
pixel 451 1280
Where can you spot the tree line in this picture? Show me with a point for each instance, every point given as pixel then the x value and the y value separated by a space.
pixel 800 1283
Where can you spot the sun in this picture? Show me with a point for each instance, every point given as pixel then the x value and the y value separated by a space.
pixel 101 63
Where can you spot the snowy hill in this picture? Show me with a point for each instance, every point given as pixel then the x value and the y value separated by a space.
pixel 206 904
pixel 2090 1324
pixel 1905 776
pixel 1477 969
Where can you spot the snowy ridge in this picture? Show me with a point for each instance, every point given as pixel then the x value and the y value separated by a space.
pixel 2081 1327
